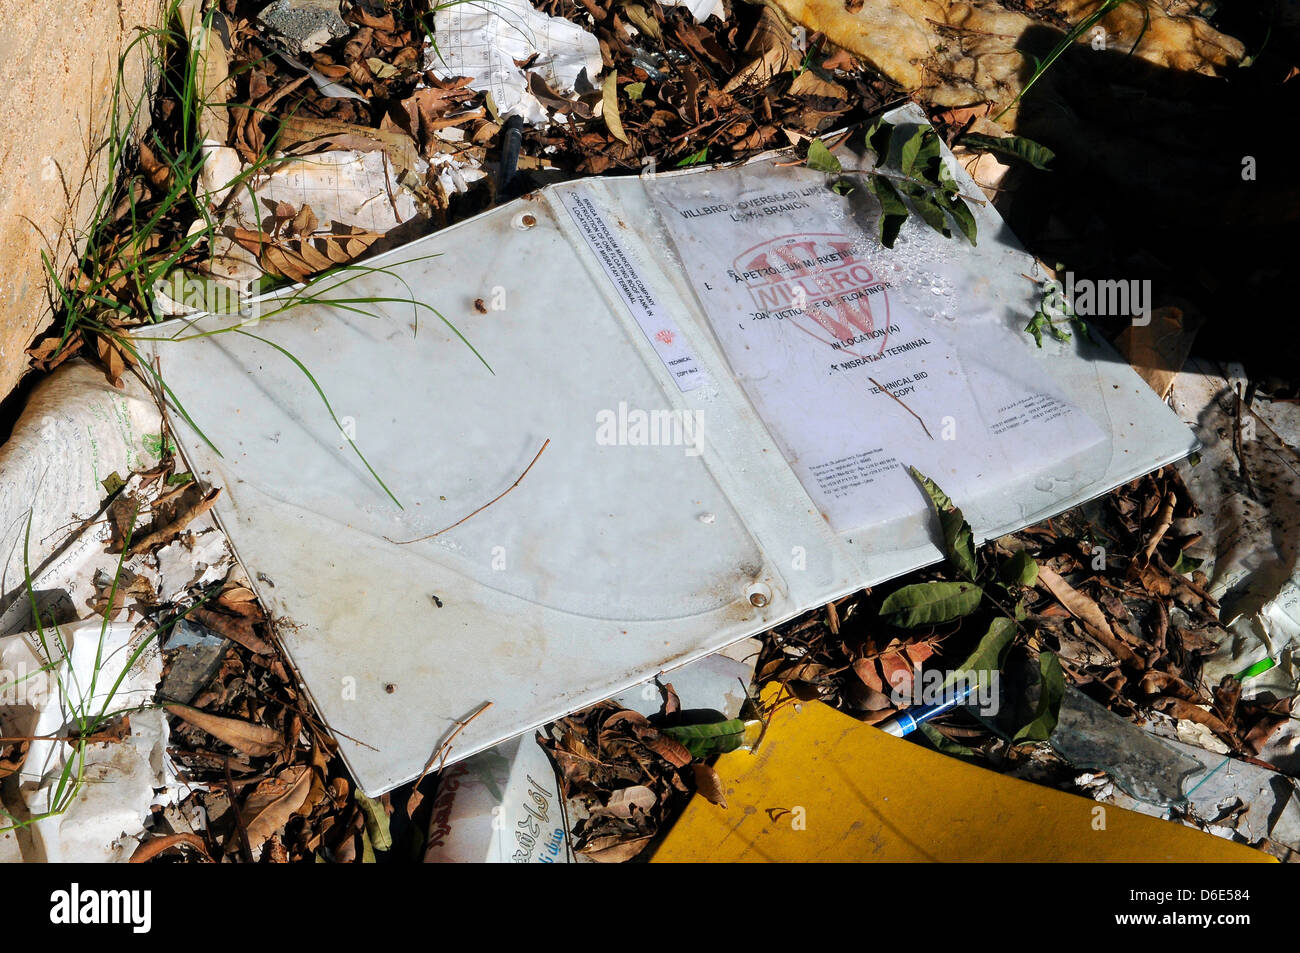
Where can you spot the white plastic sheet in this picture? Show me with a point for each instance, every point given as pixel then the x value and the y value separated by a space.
pixel 660 523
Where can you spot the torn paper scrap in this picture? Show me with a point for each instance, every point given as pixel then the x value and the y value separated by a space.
pixel 118 779
pixel 483 41
pixel 358 189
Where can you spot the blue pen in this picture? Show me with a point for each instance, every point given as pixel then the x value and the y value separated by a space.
pixel 908 720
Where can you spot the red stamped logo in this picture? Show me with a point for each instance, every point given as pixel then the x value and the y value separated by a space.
pixel 821 286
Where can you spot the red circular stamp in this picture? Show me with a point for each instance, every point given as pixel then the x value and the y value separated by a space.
pixel 820 284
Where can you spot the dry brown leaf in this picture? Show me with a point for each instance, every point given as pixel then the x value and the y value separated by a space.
pixel 624 801
pixel 671 751
pixel 12 757
pixel 304 222
pixel 51 352
pixel 255 740
pixel 1086 611
pixel 159 173
pixel 868 672
pixel 709 785
pixel 613 850
pixel 898 672
pixel 173 529
pixel 1187 711
pixel 115 362
pixel 154 846
pixel 236 594
pixel 273 802
pixel 236 629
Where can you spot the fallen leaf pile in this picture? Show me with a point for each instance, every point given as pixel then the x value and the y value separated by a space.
pixel 628 775
pixel 689 92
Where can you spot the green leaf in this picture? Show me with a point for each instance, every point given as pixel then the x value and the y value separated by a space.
pixel 112 483
pixel 180 479
pixel 1020 569
pixel 929 210
pixel 955 206
pixel 1186 564
pixel 988 655
pixel 695 158
pixel 930 603
pixel 1018 147
pixel 820 158
pixel 718 737
pixel 634 91
pixel 958 541
pixel 946 745
pixel 878 137
pixel 893 210
pixel 910 151
pixel 376 822
pixel 1051 689
pixel 920 158
pixel 1035 327
pixel 843 187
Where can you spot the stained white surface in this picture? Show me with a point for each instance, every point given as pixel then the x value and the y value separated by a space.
pixel 607 563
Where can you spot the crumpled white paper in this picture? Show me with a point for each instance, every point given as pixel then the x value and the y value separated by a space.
pixel 483 41
pixel 119 779
pixel 1249 539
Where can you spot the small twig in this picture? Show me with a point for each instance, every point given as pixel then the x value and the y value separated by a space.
pixel 444 749
pixel 421 539
pixel 884 390
pixel 239 820
pixel 1237 447
pixel 964 29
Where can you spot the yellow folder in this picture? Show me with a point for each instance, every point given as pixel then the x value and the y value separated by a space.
pixel 825 787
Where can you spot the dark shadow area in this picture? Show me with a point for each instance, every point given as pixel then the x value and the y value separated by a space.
pixel 1178 178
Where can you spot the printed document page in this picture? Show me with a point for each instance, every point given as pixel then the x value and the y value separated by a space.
pixel 859 358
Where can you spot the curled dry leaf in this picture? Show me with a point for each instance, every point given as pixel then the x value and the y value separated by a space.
pixel 235 628
pixel 709 784
pixel 255 740
pixel 671 751
pixel 611 849
pixel 12 757
pixel 623 802
pixel 154 846
pixel 173 529
pixel 273 802
pixel 1086 611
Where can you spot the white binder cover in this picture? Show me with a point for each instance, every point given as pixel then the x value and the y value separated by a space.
pixel 708 354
